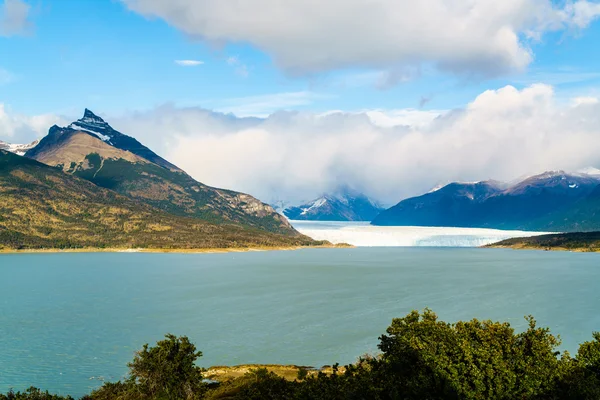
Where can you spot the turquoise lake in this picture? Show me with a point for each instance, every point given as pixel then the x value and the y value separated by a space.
pixel 68 319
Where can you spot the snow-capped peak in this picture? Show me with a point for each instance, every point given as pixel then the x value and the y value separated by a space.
pixel 18 149
pixel 93 124
pixel 315 204
pixel 92 119
pixel 551 174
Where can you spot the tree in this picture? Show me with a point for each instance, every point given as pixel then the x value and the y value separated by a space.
pixel 168 370
pixel 427 358
pixel 581 379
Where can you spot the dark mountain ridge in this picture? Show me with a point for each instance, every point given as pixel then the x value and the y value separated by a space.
pixel 545 202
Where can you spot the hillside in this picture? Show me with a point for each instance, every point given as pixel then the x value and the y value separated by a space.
pixel 89 148
pixel 42 207
pixel 586 241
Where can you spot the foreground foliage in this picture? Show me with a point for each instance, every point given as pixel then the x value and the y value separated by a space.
pixel 421 358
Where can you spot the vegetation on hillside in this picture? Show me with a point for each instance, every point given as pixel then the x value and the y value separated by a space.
pixel 584 241
pixel 421 358
pixel 178 193
pixel 43 208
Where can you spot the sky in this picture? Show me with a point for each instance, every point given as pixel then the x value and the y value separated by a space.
pixel 287 100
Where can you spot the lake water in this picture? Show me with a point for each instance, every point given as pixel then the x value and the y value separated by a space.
pixel 65 318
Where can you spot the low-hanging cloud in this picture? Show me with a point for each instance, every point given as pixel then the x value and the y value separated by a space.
pixel 502 134
pixel 473 38
pixel 20 128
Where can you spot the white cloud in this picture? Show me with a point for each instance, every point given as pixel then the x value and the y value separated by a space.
pixel 578 101
pixel 501 134
pixel 19 128
pixel 407 117
pixel 475 37
pixel 14 18
pixel 188 63
pixel 580 14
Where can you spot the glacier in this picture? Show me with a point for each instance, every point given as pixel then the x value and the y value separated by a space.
pixel 362 234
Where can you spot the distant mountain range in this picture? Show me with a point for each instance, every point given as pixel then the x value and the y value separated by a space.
pixel 554 201
pixel 343 205
pixel 121 168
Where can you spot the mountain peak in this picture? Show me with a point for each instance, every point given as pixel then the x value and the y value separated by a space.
pixel 94 125
pixel 345 204
pixel 90 118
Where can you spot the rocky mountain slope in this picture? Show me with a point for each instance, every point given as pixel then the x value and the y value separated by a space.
pixel 89 148
pixel 43 208
pixel 552 201
pixel 343 205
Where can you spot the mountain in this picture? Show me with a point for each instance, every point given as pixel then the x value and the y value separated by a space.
pixel 95 125
pixel 89 148
pixel 42 208
pixel 19 149
pixel 451 205
pixel 545 202
pixel 344 205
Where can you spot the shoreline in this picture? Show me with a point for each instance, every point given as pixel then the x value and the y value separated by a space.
pixel 175 251
pixel 543 248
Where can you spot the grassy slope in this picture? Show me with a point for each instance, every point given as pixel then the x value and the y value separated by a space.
pixel 42 207
pixel 587 241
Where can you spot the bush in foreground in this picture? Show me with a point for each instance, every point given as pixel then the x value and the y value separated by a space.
pixel 421 358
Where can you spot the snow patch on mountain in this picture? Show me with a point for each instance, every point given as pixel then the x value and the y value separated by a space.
pixel 77 127
pixel 18 149
pixel 316 204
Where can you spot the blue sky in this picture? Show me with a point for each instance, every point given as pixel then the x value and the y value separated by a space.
pixel 391 97
pixel 101 55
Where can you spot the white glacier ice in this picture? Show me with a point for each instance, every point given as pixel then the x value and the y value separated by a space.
pixel 366 235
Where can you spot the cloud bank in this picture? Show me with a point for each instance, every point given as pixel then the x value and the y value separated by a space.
pixel 19 128
pixel 501 134
pixel 388 154
pixel 474 38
